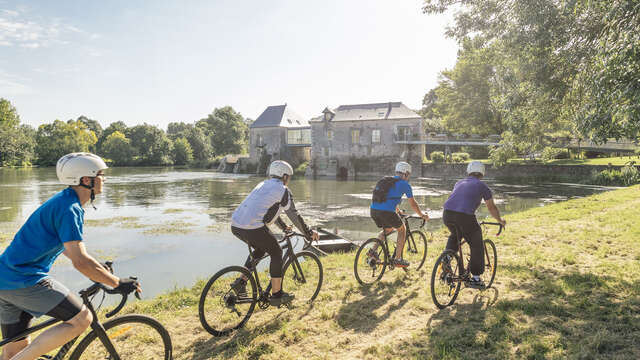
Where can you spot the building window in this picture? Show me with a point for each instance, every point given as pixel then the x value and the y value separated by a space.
pixel 258 140
pixel 404 133
pixel 299 136
pixel 330 134
pixel 375 136
pixel 355 136
pixel 327 151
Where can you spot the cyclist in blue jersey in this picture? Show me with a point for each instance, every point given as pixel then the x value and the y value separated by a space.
pixel 385 214
pixel 459 214
pixel 26 290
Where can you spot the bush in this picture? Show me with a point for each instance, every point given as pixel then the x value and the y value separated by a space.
pixel 550 153
pixel 463 156
pixel 300 169
pixel 500 155
pixel 437 157
pixel 627 176
pixel 476 152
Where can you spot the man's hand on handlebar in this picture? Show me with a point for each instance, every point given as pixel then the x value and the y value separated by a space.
pixel 425 216
pixel 503 222
pixel 129 285
pixel 314 235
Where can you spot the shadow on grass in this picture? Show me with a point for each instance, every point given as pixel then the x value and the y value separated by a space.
pixel 572 315
pixel 360 315
pixel 227 347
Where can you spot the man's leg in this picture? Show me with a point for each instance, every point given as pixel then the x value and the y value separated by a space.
pixel 402 231
pixel 14 328
pixel 56 336
pixel 477 252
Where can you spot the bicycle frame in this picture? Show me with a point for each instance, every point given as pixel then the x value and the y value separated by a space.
pixel 405 221
pixel 462 269
pixel 95 324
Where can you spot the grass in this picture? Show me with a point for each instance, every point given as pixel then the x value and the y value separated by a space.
pixel 568 286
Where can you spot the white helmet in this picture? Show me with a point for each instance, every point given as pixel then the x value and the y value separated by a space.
pixel 403 167
pixel 280 168
pixel 72 167
pixel 475 167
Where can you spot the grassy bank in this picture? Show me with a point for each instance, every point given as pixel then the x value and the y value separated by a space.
pixel 615 161
pixel 568 286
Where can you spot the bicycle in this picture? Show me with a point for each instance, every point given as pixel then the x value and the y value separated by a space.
pixel 373 256
pixel 116 338
pixel 223 309
pixel 450 276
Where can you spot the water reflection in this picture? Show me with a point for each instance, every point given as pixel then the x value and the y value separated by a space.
pixel 170 227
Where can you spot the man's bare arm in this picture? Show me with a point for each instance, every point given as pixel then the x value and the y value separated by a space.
pixel 87 265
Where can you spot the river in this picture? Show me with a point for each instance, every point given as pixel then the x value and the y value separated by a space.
pixel 170 227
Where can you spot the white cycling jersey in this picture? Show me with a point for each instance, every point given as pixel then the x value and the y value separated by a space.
pixel 264 205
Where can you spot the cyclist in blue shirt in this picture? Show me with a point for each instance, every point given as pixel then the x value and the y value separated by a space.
pixel 459 214
pixel 385 214
pixel 26 290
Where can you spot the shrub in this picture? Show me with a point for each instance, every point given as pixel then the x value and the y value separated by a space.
pixel 300 169
pixel 437 157
pixel 550 153
pixel 500 155
pixel 463 156
pixel 476 152
pixel 627 176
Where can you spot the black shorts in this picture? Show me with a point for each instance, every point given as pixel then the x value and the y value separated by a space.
pixel 386 219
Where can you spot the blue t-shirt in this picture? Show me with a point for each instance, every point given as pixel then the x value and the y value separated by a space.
pixel 394 196
pixel 39 241
pixel 467 195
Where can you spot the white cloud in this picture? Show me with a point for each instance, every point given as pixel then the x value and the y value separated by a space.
pixel 18 30
pixel 12 85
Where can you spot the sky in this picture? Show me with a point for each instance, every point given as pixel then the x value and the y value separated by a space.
pixel 167 61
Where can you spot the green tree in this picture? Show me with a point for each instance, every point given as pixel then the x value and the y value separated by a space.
pixel 153 145
pixel 113 127
pixel 227 131
pixel 182 152
pixel 94 126
pixel 59 138
pixel 118 148
pixel 17 141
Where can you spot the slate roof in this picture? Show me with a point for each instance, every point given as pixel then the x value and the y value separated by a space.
pixel 279 116
pixel 375 111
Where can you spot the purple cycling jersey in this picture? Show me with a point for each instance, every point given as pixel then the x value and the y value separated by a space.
pixel 467 195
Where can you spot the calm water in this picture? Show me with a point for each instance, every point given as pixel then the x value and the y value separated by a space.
pixel 171 227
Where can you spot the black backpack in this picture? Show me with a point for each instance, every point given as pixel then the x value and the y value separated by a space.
pixel 382 187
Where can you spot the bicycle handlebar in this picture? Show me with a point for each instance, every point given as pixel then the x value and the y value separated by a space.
pixel 93 289
pixel 495 224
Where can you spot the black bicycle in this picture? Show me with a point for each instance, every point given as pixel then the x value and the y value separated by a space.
pixel 373 257
pixel 449 271
pixel 223 309
pixel 125 337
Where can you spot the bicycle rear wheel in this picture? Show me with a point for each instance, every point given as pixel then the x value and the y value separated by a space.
pixel 135 337
pixel 303 277
pixel 445 281
pixel 490 262
pixel 415 249
pixel 370 262
pixel 222 308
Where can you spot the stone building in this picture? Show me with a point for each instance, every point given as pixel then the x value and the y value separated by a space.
pixel 279 134
pixel 365 140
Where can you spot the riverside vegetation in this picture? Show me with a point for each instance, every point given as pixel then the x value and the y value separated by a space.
pixel 567 286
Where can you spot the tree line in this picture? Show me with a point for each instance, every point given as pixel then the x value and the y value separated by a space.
pixel 536 71
pixel 222 132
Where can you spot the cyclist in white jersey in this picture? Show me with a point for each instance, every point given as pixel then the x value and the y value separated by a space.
pixel 262 207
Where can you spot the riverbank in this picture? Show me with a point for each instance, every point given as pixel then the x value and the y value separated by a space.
pixel 567 286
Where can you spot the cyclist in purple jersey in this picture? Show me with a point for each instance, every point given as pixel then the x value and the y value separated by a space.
pixel 459 214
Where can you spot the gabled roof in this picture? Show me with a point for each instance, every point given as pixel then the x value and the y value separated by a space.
pixel 375 111
pixel 279 116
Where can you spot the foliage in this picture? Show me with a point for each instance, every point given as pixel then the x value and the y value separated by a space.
pixel 182 152
pixel 227 131
pixel 301 169
pixel 119 149
pixel 94 126
pixel 476 152
pixel 550 153
pixel 151 143
pixel 463 156
pixel 500 155
pixel 59 138
pixel 627 176
pixel 17 141
pixel 437 157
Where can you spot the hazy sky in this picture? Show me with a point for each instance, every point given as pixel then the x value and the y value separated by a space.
pixel 165 61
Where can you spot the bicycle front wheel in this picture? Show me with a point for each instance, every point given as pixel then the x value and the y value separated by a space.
pixel 134 337
pixel 415 249
pixel 445 281
pixel 223 305
pixel 490 262
pixel 303 276
pixel 371 262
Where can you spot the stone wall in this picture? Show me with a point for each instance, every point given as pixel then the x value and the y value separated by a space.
pixel 459 170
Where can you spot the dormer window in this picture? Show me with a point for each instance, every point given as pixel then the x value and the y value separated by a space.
pixel 298 122
pixel 289 121
pixel 381 113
